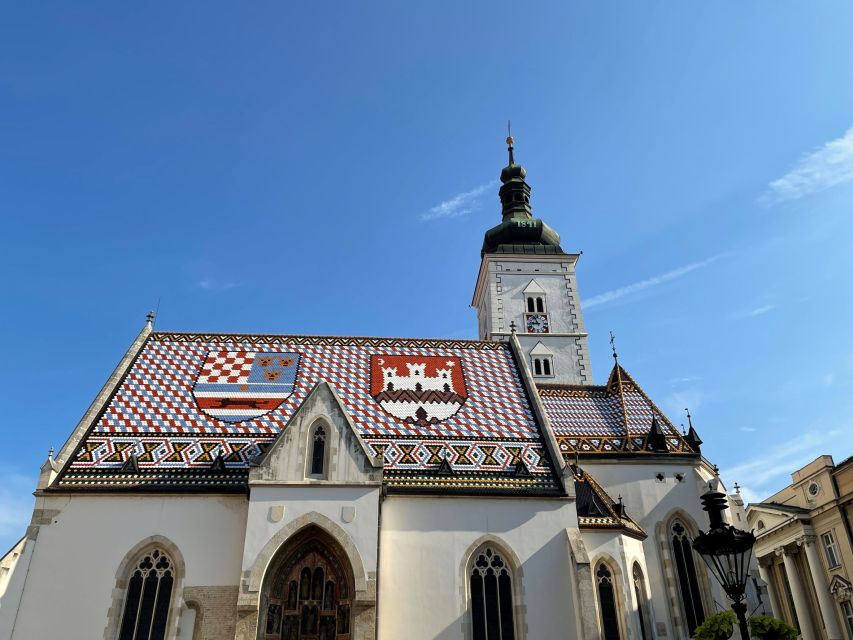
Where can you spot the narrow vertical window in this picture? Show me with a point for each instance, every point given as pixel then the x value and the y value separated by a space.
pixel 642 603
pixel 491 597
pixel 847 610
pixel 530 305
pixel 546 366
pixel 831 550
pixel 149 593
pixel 318 452
pixel 607 603
pixel 688 583
pixel 537 367
pixel 540 305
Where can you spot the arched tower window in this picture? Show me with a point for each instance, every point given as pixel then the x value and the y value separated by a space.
pixel 491 587
pixel 318 452
pixel 688 582
pixel 149 592
pixel 607 603
pixel 642 602
pixel 308 595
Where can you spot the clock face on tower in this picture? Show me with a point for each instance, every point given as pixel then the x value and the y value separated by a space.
pixel 536 322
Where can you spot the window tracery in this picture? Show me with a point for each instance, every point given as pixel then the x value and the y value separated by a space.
pixel 149 594
pixel 607 603
pixel 309 596
pixel 491 597
pixel 688 582
pixel 642 603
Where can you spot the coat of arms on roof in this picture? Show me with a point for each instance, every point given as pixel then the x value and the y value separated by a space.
pixel 233 386
pixel 421 390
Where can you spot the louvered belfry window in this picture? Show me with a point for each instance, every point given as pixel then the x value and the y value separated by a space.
pixel 149 593
pixel 491 597
pixel 688 583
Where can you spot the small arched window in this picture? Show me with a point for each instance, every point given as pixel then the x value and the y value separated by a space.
pixel 607 603
pixel 543 366
pixel 540 305
pixel 531 304
pixel 642 603
pixel 149 593
pixel 688 582
pixel 491 597
pixel 318 452
pixel 760 525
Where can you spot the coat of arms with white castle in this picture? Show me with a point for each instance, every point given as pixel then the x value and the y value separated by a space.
pixel 421 390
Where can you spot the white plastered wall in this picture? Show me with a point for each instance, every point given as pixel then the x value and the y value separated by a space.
pixel 651 502
pixel 425 547
pixel 77 554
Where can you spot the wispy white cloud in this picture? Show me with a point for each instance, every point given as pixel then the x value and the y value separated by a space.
pixel 829 165
pixel 678 401
pixel 768 471
pixel 757 311
pixel 748 429
pixel 684 380
pixel 459 205
pixel 648 283
pixel 213 284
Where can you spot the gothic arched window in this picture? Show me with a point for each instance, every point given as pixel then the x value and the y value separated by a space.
pixel 688 582
pixel 318 452
pixel 149 593
pixel 607 603
pixel 491 596
pixel 642 603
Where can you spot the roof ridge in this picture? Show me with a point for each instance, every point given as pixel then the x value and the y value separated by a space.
pixel 165 335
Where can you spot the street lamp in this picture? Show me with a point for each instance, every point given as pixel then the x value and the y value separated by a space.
pixel 727 552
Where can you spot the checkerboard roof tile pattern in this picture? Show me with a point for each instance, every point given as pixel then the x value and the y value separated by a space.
pixel 609 419
pixel 157 421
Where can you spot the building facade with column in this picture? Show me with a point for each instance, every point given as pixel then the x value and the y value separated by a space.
pixel 291 487
pixel 805 549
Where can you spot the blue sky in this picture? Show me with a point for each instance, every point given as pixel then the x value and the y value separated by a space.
pixel 330 168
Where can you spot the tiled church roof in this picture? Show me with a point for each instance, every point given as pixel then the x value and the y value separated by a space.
pixel 195 411
pixel 617 418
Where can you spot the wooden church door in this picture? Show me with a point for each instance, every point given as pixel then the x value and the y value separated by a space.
pixel 309 597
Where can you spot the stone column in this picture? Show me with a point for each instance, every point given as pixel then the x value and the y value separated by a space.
pixel 798 590
pixel 827 610
pixel 765 570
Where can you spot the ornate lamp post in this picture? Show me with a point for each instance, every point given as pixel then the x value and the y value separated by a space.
pixel 727 552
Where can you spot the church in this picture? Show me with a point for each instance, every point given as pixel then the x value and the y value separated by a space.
pixel 295 487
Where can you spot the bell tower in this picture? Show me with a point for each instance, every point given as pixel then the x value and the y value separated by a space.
pixel 527 282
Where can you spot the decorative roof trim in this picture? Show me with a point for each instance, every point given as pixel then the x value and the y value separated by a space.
pixel 268 339
pixel 612 520
pixel 562 471
pixel 101 401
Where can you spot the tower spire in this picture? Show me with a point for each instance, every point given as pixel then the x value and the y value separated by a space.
pixel 519 231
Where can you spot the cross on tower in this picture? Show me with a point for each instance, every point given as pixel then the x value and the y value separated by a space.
pixel 737 488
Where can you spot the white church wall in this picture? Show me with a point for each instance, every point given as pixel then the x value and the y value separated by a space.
pixel 355 509
pixel 653 503
pixel 619 552
pixel 86 538
pixel 425 548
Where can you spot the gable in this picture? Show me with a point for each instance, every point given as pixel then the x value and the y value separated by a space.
pixel 198 410
pixel 347 457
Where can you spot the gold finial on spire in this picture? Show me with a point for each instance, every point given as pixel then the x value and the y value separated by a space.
pixel 510 141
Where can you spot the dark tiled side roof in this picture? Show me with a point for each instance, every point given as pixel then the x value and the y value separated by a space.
pixel 597 510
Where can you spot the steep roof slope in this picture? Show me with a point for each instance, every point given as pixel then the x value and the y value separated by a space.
pixel 618 418
pixel 193 412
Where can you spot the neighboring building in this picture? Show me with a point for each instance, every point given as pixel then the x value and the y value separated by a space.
pixel 284 487
pixel 805 549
